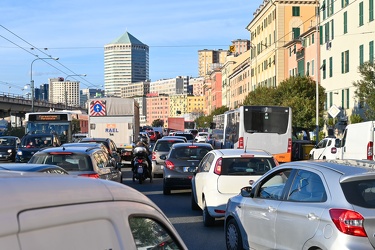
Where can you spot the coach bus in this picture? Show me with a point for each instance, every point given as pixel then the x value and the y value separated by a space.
pixel 59 122
pixel 260 127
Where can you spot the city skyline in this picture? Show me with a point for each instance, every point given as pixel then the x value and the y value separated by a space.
pixel 77 35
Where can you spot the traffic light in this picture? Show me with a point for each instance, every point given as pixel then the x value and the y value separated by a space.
pixel 232 49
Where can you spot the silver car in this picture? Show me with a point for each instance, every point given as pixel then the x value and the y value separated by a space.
pixel 306 205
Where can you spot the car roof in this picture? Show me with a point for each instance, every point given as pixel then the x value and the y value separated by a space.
pixel 40 190
pixel 186 144
pixel 94 139
pixel 242 152
pixel 33 167
pixel 70 149
pixel 349 168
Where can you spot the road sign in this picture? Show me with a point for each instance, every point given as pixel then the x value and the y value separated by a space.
pixel 334 111
pixel 97 108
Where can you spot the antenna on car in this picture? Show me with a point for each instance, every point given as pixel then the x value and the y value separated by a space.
pixel 246 144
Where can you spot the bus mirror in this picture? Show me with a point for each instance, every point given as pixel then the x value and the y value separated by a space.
pixel 212 125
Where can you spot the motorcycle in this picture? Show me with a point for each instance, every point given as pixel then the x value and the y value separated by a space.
pixel 140 165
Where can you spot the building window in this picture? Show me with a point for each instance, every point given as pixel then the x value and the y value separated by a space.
pixel 332 30
pixel 361 55
pixel 345 22
pixel 324 69
pixel 330 67
pixel 345 62
pixel 344 3
pixel 371 51
pixel 371 10
pixel 347 98
pixel 360 13
pixel 295 11
pixel 296 32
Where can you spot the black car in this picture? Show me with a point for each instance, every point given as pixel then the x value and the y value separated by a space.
pixel 8 147
pixel 180 164
pixel 32 143
pixel 109 143
pixel 41 168
pixel 91 162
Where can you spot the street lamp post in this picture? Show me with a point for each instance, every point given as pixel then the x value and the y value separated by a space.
pixel 66 93
pixel 32 81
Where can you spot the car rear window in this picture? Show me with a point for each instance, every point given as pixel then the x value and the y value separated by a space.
pixel 165 146
pixel 190 152
pixel 360 193
pixel 69 162
pixel 187 136
pixel 246 166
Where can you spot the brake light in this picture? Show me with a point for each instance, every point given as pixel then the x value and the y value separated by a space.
pixel 217 169
pixel 370 150
pixel 348 222
pixel 94 176
pixel 192 146
pixel 139 160
pixel 240 142
pixel 169 165
pixel 153 155
pixel 289 150
pixel 333 150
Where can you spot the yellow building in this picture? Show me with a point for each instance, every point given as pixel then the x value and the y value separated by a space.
pixel 274 24
pixel 177 105
pixel 195 104
pixel 209 60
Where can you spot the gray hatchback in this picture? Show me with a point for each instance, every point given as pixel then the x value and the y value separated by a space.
pixel 306 205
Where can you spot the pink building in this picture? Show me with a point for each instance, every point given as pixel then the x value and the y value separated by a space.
pixel 157 108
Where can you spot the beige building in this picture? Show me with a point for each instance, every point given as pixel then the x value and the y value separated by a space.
pixel 178 105
pixel 170 86
pixel 66 92
pixel 209 60
pixel 135 89
pixel 195 105
pixel 197 85
pixel 274 24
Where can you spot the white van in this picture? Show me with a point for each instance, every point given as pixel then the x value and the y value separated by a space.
pixel 358 141
pixel 46 211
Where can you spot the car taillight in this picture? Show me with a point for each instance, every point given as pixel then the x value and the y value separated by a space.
pixel 370 150
pixel 169 165
pixel 153 155
pixel 333 150
pixel 240 142
pixel 95 176
pixel 348 222
pixel 217 169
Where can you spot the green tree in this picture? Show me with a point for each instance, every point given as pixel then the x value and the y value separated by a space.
pixel 365 91
pixel 355 118
pixel 261 96
pixel 157 123
pixel 205 121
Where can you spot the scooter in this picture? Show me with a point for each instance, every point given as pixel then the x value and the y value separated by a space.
pixel 140 165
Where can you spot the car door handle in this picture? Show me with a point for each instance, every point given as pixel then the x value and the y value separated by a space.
pixel 312 216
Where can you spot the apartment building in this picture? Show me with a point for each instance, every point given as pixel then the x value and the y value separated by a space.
pixel 178 104
pixel 171 86
pixel 135 89
pixel 158 108
pixel 274 24
pixel 66 92
pixel 208 60
pixel 347 41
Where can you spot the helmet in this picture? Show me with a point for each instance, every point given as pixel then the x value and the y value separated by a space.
pixel 140 151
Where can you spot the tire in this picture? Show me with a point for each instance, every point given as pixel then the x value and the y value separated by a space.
pixel 233 238
pixel 208 220
pixel 166 191
pixel 194 205
pixel 140 180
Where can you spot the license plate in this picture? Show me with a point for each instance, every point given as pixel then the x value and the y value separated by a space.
pixel 189 169
pixel 140 170
pixel 127 153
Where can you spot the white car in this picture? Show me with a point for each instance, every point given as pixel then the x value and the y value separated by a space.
pixel 53 211
pixel 201 137
pixel 326 149
pixel 221 174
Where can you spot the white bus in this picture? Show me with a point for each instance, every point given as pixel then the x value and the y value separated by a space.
pixel 260 127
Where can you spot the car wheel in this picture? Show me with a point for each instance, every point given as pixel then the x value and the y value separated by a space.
pixel 166 191
pixel 194 205
pixel 233 238
pixel 208 220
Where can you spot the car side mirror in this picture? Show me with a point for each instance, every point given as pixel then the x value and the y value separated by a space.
pixel 246 191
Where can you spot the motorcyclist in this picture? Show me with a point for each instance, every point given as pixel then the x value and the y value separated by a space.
pixel 142 143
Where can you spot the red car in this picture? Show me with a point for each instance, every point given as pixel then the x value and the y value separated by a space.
pixel 152 135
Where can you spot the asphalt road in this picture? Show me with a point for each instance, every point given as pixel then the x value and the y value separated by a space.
pixel 177 207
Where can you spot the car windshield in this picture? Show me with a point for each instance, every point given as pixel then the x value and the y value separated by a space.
pixel 7 142
pixel 189 152
pixel 165 145
pixel 69 162
pixel 187 136
pixel 246 166
pixel 37 142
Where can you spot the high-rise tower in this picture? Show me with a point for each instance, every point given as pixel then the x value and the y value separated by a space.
pixel 126 60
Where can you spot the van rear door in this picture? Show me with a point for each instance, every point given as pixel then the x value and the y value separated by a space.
pixel 358 140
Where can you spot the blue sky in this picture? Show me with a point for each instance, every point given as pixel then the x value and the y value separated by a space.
pixel 76 32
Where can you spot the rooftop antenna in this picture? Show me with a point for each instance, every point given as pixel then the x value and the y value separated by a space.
pixel 246 144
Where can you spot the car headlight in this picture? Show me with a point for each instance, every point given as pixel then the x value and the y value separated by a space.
pixel 9 151
pixel 19 152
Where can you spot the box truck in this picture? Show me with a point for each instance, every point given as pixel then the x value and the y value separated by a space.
pixel 117 119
